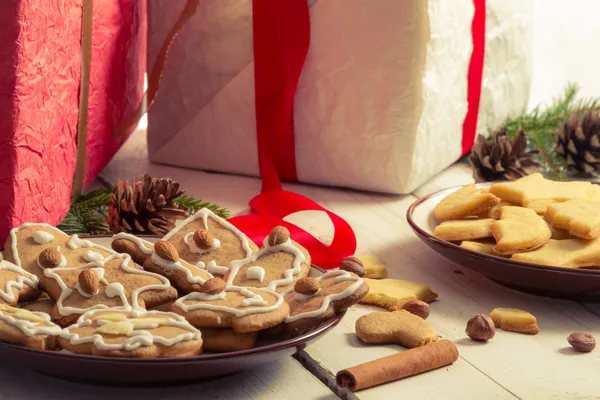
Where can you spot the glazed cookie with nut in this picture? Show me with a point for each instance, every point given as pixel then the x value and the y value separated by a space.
pixel 399 327
pixel 276 266
pixel 165 261
pixel 30 329
pixel 315 300
pixel 210 242
pixel 132 334
pixel 138 248
pixel 242 309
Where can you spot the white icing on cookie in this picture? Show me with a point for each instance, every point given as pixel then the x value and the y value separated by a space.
pixel 139 336
pixel 168 264
pixel 145 246
pixel 42 237
pixel 341 276
pixel 25 278
pixel 76 243
pixel 253 299
pixel 13 237
pixel 256 273
pixel 31 328
pixel 288 274
pixel 212 267
pixel 91 256
pixel 198 250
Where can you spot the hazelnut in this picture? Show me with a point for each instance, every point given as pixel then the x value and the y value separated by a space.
pixel 354 265
pixel 166 251
pixel 481 328
pixel 307 286
pixel 583 342
pixel 278 235
pixel 203 239
pixel 49 258
pixel 213 286
pixel 417 307
pixel 89 281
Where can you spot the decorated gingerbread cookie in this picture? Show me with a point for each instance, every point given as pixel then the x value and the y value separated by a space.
pixel 315 300
pixel 108 281
pixel 30 329
pixel 210 242
pixel 139 249
pixel 16 284
pixel 132 334
pixel 184 276
pixel 243 309
pixel 276 266
pixel 225 340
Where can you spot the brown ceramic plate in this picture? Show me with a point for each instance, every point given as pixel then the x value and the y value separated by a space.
pixel 161 371
pixel 575 284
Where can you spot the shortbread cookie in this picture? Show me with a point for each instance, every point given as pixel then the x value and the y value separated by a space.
pixel 481 247
pixel 399 327
pixel 496 211
pixel 315 300
pixel 132 334
pixel 226 340
pixel 374 267
pixel 515 320
pixel 16 284
pixel 466 201
pixel 468 229
pixel 210 242
pixel 579 217
pixel 165 261
pixel 243 309
pixel 30 329
pixel 276 266
pixel 569 253
pixel 138 248
pixel 536 192
pixel 112 281
pixel 391 294
pixel 519 230
pixel 559 234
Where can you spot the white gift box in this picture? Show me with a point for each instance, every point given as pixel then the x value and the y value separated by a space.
pixel 382 97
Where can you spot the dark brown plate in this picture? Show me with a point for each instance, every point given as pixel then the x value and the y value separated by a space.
pixel 161 371
pixel 574 284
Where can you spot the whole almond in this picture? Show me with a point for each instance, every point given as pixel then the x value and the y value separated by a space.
pixel 278 235
pixel 583 342
pixel 166 251
pixel 354 265
pixel 89 281
pixel 204 239
pixel 307 286
pixel 481 328
pixel 49 258
pixel 213 286
pixel 417 307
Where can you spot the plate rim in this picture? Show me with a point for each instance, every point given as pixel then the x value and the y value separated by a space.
pixel 481 256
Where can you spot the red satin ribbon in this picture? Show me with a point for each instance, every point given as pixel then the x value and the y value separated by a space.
pixel 475 76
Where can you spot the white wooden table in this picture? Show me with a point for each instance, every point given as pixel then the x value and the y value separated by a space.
pixel 510 366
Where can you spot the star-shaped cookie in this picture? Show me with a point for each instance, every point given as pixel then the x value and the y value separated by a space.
pixel 569 253
pixel 536 192
pixel 466 201
pixel 132 334
pixel 580 217
pixel 519 229
pixel 16 284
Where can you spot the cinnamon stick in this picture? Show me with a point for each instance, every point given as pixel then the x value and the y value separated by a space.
pixel 397 366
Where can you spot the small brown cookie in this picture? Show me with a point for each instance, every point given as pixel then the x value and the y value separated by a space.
pixel 243 309
pixel 210 242
pixel 225 340
pixel 165 261
pixel 139 249
pixel 30 329
pixel 399 327
pixel 276 266
pixel 315 300
pixel 132 334
pixel 113 281
pixel 16 284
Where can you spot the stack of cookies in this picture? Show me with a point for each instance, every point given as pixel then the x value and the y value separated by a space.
pixel 531 219
pixel 204 287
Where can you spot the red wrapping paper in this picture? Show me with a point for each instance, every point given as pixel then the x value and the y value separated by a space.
pixel 40 62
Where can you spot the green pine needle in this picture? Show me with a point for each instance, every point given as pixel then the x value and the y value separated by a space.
pixel 195 204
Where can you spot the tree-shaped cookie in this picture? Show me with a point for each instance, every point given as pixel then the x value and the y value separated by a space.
pixel 276 266
pixel 315 300
pixel 132 334
pixel 243 309
pixel 111 281
pixel 580 217
pixel 210 242
pixel 30 329
pixel 519 229
pixel 166 261
pixel 16 284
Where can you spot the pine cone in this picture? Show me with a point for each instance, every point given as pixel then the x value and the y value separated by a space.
pixel 145 205
pixel 501 158
pixel 578 140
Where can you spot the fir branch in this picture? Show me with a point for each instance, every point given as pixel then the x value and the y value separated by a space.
pixel 196 204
